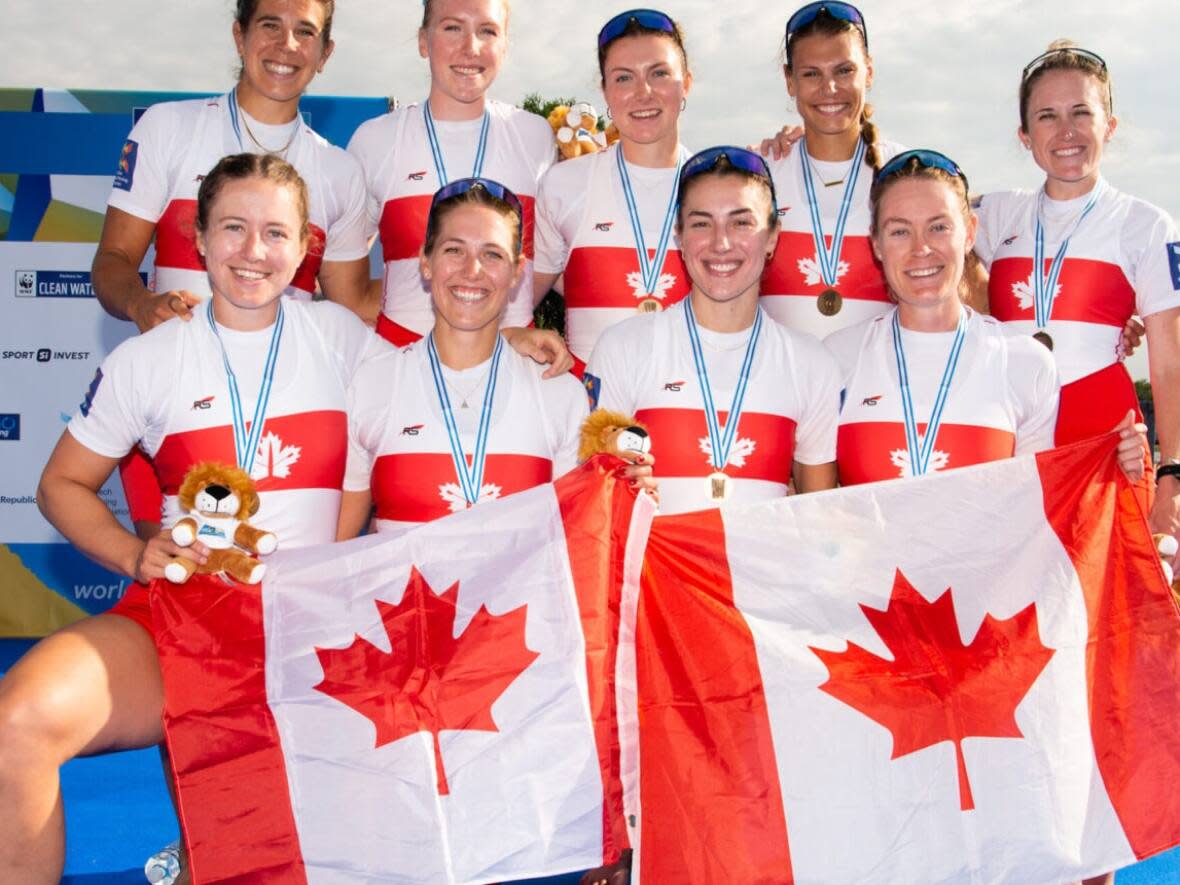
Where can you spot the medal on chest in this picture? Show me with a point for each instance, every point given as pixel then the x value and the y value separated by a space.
pixel 830 302
pixel 650 283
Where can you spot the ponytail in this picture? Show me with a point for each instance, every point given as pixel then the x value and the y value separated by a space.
pixel 870 136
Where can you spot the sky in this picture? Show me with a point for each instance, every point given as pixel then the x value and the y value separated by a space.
pixel 946 74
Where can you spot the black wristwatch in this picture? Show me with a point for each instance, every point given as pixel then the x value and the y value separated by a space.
pixel 1171 467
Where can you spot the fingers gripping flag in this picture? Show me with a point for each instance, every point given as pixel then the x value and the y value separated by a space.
pixel 435 707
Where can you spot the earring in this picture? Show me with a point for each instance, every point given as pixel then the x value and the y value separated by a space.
pixel 609 114
pixel 683 103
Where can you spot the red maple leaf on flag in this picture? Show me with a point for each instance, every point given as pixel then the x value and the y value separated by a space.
pixel 430 680
pixel 937 689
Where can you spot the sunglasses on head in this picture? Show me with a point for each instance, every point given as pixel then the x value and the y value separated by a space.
pixel 927 159
pixel 844 12
pixel 738 158
pixel 1046 57
pixel 651 19
pixel 493 188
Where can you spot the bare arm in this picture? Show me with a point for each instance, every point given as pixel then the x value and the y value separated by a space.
pixel 814 477
pixel 115 274
pixel 68 498
pixel 542 346
pixel 347 283
pixel 542 283
pixel 1163 359
pixel 355 509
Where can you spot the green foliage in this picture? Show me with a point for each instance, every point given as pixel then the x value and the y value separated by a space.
pixel 550 313
pixel 1143 390
pixel 536 104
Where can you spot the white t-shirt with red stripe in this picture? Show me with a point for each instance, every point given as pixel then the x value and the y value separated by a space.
pixel 401 179
pixel 1002 400
pixel 644 367
pixel 175 144
pixel 166 390
pixel 792 284
pixel 584 231
pixel 401 451
pixel 1123 259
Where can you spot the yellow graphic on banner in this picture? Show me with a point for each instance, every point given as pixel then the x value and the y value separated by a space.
pixel 30 608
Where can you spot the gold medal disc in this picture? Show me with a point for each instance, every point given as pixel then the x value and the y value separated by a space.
pixel 1045 338
pixel 830 302
pixel 718 486
pixel 649 305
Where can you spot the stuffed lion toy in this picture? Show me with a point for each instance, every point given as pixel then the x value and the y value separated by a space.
pixel 219 500
pixel 612 432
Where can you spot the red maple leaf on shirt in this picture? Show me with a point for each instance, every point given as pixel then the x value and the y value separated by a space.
pixel 937 689
pixel 430 680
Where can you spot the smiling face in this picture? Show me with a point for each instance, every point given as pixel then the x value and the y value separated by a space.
pixel 252 245
pixel 923 234
pixel 465 42
pixel 644 83
pixel 726 236
pixel 1068 127
pixel 472 268
pixel 282 50
pixel 828 77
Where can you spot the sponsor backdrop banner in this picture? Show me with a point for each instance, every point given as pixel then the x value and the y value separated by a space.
pixel 59 150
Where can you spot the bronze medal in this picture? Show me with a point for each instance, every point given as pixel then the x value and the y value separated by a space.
pixel 1045 338
pixel 830 302
pixel 718 486
pixel 649 305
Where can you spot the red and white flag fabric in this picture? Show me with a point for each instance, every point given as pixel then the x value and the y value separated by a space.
pixel 429 708
pixel 971 676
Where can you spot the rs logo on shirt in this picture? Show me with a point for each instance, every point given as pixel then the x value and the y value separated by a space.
pixel 206 403
pixel 1012 239
pixel 416 176
pixel 412 430
pixel 871 400
pixel 674 386
pixel 604 226
pixel 1174 263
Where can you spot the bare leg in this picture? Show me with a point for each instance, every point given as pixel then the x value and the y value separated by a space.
pixel 91 687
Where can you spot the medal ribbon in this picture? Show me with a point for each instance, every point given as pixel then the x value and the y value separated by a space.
pixel 921 448
pixel 440 165
pixel 235 121
pixel 470 479
pixel 720 437
pixel 829 259
pixel 1045 285
pixel 246 441
pixel 649 269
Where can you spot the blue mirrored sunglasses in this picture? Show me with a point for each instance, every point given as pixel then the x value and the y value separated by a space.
pixel 652 19
pixel 494 188
pixel 739 158
pixel 925 158
pixel 845 12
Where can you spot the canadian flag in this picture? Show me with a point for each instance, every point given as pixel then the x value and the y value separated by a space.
pixel 434 707
pixel 971 676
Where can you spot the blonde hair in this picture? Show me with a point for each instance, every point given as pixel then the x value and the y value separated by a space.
pixel 1064 60
pixel 428 8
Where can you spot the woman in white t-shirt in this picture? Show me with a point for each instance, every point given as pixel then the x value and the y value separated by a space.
pixel 95 686
pixel 823 276
pixel 457 132
pixel 1104 256
pixel 457 418
pixel 932 384
pixel 605 221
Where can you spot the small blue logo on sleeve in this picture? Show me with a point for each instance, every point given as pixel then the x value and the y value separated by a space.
pixel 10 427
pixel 1174 263
pixel 88 400
pixel 593 387
pixel 125 174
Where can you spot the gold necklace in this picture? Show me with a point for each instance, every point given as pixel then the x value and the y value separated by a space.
pixel 282 152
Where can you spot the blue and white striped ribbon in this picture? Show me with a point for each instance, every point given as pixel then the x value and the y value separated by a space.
pixel 246 440
pixel 921 447
pixel 440 165
pixel 470 478
pixel 721 438
pixel 649 268
pixel 1045 285
pixel 829 259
